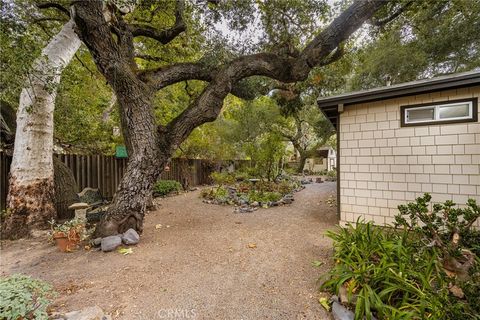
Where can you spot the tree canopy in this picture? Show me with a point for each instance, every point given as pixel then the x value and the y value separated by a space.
pixel 411 46
pixel 222 78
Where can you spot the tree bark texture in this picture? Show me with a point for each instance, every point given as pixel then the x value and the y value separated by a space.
pixel 301 162
pixel 31 197
pixel 150 146
pixel 66 190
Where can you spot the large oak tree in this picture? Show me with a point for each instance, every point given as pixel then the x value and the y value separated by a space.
pixel 150 146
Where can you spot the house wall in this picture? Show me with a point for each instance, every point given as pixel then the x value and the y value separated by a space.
pixel 383 165
pixel 315 164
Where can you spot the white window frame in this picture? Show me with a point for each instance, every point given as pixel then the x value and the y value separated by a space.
pixel 436 112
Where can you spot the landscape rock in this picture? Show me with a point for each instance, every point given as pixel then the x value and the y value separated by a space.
pixel 96 242
pixel 111 243
pixel 90 313
pixel 342 292
pixel 339 312
pixel 130 237
pixel 91 196
pixel 255 204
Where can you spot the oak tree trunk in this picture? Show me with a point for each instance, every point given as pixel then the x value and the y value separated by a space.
pixel 147 158
pixel 66 189
pixel 31 197
pixel 301 163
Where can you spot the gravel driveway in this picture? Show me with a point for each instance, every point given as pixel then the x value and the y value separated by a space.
pixel 203 262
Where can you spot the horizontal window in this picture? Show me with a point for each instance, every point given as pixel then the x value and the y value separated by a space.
pixel 443 112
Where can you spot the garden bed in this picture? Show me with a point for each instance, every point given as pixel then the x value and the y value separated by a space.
pixel 426 266
pixel 250 194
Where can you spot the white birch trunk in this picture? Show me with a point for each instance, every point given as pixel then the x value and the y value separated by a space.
pixel 31 190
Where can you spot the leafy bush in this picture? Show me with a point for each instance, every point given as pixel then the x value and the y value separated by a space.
pixel 388 277
pixel 22 297
pixel 444 227
pixel 263 196
pixel 400 273
pixel 332 173
pixel 219 193
pixel 246 192
pixel 222 178
pixel 164 187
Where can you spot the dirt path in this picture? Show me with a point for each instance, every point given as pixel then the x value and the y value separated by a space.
pixel 198 264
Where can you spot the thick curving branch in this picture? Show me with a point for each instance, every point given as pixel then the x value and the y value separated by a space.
pixel 162 36
pixel 321 50
pixel 393 16
pixel 59 7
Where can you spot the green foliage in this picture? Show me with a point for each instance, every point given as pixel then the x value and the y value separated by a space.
pixel 332 173
pixel 85 114
pixel 165 187
pixel 22 297
pixel 77 224
pixel 220 194
pixel 429 38
pixel 440 225
pixel 387 276
pixel 263 196
pixel 222 178
pixel 262 191
pixel 399 273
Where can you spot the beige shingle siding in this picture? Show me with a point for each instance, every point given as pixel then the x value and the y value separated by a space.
pixel 384 165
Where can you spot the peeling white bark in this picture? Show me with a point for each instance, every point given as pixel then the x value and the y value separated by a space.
pixel 31 186
pixel 32 155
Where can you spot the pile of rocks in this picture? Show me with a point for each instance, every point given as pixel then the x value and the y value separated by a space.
pixel 244 206
pixel 110 243
pixel 306 181
pixel 90 313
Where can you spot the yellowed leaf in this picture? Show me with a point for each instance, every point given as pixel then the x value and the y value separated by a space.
pixel 324 302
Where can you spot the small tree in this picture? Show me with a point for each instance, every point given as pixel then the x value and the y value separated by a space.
pixel 444 227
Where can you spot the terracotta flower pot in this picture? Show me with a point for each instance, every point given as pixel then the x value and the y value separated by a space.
pixel 66 243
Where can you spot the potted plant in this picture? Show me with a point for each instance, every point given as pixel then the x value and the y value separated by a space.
pixel 68 235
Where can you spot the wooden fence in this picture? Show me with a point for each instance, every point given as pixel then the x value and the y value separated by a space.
pixel 105 172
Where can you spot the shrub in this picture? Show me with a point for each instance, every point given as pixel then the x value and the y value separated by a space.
pixel 164 187
pixel 386 276
pixel 446 227
pixel 332 173
pixel 401 273
pixel 222 178
pixel 22 297
pixel 261 196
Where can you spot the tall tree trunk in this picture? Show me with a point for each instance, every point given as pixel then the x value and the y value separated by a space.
pixel 66 189
pixel 147 158
pixel 31 197
pixel 301 163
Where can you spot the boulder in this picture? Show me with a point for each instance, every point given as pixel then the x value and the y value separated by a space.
pixel 96 242
pixel 90 313
pixel 130 237
pixel 110 243
pixel 91 196
pixel 339 312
